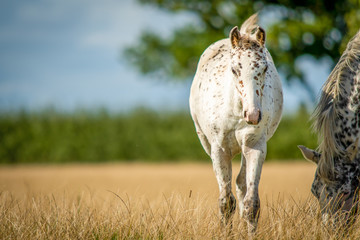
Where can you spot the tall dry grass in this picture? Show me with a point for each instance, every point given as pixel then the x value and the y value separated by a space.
pixel 92 202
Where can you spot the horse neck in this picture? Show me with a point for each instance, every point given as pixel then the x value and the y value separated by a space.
pixel 231 94
pixel 347 108
pixel 337 115
pixel 337 120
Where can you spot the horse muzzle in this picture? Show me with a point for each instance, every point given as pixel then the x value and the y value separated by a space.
pixel 252 117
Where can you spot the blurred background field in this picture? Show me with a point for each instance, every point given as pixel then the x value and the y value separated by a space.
pixel 140 135
pixel 149 181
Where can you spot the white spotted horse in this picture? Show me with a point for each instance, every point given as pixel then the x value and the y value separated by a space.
pixel 337 122
pixel 236 105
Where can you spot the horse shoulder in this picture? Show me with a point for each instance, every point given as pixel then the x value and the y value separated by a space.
pixel 213 53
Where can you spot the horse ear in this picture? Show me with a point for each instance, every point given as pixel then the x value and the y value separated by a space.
pixel 309 154
pixel 352 150
pixel 235 37
pixel 260 36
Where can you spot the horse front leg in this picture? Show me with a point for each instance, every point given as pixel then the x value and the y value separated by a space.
pixel 223 171
pixel 255 157
pixel 241 185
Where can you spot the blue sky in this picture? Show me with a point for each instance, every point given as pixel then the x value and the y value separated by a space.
pixel 66 54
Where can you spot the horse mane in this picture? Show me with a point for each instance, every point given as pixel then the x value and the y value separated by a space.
pixel 327 109
pixel 249 33
pixel 249 25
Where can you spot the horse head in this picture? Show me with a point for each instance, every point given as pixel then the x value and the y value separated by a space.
pixel 248 66
pixel 338 195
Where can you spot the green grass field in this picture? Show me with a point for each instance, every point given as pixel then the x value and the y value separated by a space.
pixel 142 135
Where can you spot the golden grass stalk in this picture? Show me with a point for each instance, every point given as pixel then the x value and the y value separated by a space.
pixel 176 216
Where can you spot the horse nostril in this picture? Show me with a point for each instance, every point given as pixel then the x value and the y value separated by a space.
pixel 245 113
pixel 259 119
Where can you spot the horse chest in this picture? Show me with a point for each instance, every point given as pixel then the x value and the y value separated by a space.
pixel 221 115
pixel 232 132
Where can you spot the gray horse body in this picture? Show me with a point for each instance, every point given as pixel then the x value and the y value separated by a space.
pixel 337 121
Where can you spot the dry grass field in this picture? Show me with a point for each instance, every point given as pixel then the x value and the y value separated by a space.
pixel 152 201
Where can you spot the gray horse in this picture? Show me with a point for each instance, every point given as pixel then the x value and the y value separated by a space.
pixel 337 121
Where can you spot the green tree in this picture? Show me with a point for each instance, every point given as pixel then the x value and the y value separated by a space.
pixel 318 28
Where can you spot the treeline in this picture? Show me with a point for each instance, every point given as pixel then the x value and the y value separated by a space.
pixel 50 136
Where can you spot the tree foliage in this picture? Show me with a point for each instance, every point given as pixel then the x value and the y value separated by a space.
pixel 318 28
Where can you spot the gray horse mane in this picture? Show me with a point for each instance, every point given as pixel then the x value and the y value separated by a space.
pixel 327 109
